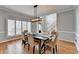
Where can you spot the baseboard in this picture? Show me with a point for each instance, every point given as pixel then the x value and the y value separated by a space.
pixel 77 41
pixel 11 39
pixel 66 40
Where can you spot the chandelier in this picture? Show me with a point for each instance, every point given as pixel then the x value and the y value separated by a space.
pixel 36 18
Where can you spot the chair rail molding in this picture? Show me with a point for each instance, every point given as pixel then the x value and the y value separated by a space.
pixel 2 32
pixel 67 32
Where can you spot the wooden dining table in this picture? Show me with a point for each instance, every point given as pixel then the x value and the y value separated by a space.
pixel 42 38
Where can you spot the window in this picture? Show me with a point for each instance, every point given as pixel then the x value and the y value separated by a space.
pixel 39 27
pixel 18 27
pixel 29 26
pixel 24 25
pixel 51 22
pixel 11 27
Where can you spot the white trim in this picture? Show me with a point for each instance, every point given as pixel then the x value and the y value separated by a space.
pixel 2 32
pixel 10 39
pixel 66 40
pixel 67 32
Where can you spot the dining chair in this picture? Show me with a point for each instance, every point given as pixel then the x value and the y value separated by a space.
pixel 25 41
pixel 52 44
pixel 33 43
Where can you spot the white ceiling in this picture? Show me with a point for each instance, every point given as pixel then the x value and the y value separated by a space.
pixel 42 9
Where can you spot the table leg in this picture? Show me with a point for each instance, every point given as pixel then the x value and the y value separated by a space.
pixel 40 47
pixel 43 46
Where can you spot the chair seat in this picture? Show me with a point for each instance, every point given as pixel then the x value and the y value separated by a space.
pixel 50 43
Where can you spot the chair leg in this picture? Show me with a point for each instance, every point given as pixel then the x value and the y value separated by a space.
pixel 24 45
pixel 56 48
pixel 53 51
pixel 28 47
pixel 22 42
pixel 33 49
pixel 44 49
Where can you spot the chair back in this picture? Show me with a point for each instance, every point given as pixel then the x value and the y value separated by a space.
pixel 25 37
pixel 56 37
pixel 30 39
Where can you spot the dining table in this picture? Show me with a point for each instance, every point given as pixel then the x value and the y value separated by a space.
pixel 42 38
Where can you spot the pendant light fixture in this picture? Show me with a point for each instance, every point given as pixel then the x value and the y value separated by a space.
pixel 36 18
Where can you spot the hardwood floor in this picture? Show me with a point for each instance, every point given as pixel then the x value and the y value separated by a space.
pixel 66 48
pixel 15 47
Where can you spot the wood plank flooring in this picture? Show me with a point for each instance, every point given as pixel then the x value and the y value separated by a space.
pixel 15 47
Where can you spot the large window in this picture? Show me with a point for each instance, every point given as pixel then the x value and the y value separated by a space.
pixel 18 27
pixel 24 25
pixel 29 26
pixel 51 22
pixel 11 27
pixel 39 27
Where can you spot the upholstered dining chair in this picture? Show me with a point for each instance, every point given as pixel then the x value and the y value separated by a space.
pixel 33 43
pixel 25 40
pixel 52 43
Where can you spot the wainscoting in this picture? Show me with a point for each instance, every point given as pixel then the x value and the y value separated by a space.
pixel 67 36
pixel 70 37
pixel 2 36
